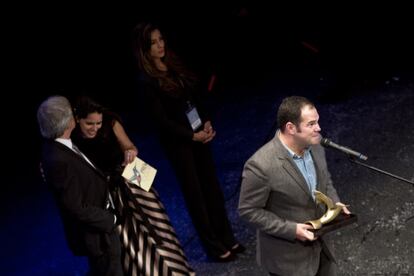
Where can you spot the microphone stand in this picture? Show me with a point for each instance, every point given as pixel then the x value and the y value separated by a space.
pixel 353 160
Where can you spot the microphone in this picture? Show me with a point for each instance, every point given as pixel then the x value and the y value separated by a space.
pixel 328 143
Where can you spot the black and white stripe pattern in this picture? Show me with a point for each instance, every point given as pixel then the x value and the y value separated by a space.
pixel 150 245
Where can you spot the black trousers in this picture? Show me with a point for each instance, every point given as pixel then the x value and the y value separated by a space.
pixel 194 167
pixel 109 263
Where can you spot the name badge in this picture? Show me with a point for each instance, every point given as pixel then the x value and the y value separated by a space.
pixel 193 117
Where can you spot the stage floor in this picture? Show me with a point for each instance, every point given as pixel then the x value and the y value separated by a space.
pixel 373 117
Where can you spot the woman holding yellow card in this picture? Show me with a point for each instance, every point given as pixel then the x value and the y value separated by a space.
pixel 148 239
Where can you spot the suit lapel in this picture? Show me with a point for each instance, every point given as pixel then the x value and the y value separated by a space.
pixel 290 166
pixel 80 158
pixel 316 159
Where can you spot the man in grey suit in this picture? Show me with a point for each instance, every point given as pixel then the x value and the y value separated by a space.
pixel 277 194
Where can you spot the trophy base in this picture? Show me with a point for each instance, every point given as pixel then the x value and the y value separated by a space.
pixel 340 221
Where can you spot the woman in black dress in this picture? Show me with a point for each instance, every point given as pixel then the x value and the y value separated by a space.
pixel 150 245
pixel 185 129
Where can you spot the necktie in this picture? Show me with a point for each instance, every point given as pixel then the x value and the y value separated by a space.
pixel 110 202
pixel 76 149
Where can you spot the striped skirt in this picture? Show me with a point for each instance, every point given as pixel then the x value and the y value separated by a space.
pixel 149 243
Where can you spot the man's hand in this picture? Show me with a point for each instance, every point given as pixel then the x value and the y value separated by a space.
pixel 303 233
pixel 344 208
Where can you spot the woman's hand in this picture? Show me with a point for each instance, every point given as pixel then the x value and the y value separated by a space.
pixel 208 127
pixel 129 155
pixel 203 136
pixel 211 133
pixel 200 136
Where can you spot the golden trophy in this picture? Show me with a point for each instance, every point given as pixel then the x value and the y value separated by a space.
pixel 333 218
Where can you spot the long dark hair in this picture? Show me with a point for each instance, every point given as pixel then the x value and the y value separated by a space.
pixel 177 75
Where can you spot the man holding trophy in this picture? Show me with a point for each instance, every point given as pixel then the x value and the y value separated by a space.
pixel 282 184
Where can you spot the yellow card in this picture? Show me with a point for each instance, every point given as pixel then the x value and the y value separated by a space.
pixel 140 174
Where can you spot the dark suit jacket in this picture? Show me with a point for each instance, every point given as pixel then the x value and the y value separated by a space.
pixel 81 193
pixel 274 197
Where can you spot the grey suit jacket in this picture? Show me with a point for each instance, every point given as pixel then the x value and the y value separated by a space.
pixel 274 197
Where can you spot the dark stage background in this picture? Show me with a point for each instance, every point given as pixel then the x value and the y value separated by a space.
pixel 354 61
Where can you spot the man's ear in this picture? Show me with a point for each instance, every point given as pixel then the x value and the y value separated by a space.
pixel 290 128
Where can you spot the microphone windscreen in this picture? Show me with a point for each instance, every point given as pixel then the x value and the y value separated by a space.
pixel 325 142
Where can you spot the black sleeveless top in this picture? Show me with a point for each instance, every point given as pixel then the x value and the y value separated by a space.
pixel 104 149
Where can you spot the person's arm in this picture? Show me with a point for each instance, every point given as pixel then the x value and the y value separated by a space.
pixel 254 194
pixel 129 149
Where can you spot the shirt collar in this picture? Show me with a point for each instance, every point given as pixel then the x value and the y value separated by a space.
pixel 292 153
pixel 66 142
